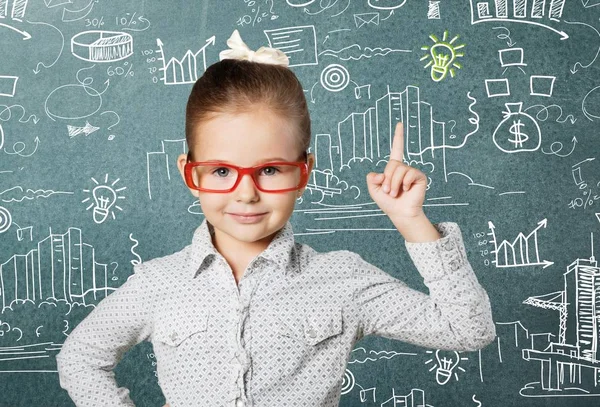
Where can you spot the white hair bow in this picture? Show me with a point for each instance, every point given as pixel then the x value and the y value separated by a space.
pixel 265 55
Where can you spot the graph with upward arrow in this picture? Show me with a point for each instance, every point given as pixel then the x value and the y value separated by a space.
pixel 523 251
pixel 185 70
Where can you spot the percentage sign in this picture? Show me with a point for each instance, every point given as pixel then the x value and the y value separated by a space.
pixel 101 21
pixel 256 17
pixel 129 71
pixel 589 200
pixel 131 20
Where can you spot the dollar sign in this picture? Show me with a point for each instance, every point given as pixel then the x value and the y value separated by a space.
pixel 476 401
pixel 519 137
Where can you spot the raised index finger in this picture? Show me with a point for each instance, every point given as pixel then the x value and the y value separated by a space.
pixel 397 152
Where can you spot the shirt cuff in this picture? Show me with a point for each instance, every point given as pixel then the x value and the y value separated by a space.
pixel 441 257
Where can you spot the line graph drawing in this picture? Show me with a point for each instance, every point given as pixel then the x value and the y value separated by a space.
pixel 185 70
pixel 521 252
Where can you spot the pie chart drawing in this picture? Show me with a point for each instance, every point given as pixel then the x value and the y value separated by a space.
pixel 102 46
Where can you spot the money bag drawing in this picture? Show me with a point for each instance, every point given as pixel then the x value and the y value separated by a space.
pixel 518 131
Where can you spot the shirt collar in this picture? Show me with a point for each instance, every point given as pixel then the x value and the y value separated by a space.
pixel 203 252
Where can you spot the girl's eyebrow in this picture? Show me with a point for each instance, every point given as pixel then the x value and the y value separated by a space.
pixel 265 160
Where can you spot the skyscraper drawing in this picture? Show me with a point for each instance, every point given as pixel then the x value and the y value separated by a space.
pixel 62 267
pixel 574 359
pixel 370 134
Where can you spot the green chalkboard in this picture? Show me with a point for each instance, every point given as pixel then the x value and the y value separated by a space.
pixel 500 101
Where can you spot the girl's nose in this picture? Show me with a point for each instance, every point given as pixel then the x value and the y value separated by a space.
pixel 246 190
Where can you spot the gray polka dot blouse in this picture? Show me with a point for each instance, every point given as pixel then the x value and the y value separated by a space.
pixel 283 336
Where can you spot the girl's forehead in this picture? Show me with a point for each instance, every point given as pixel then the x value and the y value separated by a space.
pixel 253 127
pixel 245 139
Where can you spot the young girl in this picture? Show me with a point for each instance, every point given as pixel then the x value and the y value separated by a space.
pixel 246 316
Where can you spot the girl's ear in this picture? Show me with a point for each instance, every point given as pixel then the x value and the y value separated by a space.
pixel 310 158
pixel 181 160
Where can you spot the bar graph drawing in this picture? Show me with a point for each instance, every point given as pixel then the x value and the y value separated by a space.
pixel 17 11
pixel 523 251
pixel 536 12
pixel 185 70
pixel 13 11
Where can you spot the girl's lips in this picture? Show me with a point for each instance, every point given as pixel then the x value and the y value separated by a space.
pixel 248 218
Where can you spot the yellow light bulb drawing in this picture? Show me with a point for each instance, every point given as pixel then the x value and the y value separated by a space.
pixel 443 56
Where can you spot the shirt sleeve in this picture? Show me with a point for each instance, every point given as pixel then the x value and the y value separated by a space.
pixel 98 343
pixel 456 315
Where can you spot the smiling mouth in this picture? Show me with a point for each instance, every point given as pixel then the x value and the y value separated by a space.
pixel 248 218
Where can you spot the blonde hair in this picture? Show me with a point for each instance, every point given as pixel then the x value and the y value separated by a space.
pixel 238 86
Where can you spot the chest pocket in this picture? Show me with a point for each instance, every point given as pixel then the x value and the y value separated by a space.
pixel 312 326
pixel 173 330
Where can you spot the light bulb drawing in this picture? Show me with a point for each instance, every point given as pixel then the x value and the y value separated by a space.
pixel 443 54
pixel 446 364
pixel 104 199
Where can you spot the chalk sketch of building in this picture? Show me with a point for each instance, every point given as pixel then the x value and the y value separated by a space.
pixel 160 164
pixel 369 134
pixel 65 264
pixel 415 398
pixel 572 365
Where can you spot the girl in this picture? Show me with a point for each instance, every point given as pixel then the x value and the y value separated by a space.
pixel 246 316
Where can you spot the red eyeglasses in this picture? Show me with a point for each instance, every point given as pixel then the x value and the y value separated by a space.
pixel 275 176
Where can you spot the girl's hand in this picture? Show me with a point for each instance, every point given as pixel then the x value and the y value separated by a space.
pixel 167 405
pixel 400 190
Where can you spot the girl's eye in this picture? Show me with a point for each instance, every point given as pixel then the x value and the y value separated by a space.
pixel 221 171
pixel 270 170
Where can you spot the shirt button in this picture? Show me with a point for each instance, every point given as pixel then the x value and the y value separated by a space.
pixel 311 332
pixel 239 403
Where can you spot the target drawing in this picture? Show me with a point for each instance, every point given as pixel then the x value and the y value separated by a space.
pixel 348 383
pixel 335 78
pixel 5 219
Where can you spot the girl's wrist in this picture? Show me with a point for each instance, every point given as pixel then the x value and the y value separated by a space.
pixel 416 229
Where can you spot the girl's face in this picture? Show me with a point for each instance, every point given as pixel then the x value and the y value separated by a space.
pixel 245 140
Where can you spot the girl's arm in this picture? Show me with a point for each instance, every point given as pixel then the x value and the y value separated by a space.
pixel 98 343
pixel 456 315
